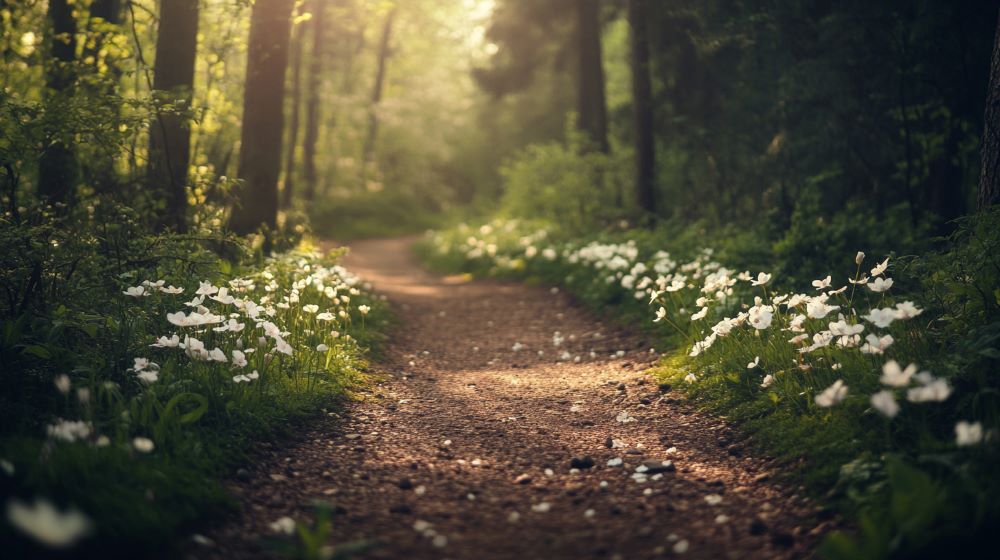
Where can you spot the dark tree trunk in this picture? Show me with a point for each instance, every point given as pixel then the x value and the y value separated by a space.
pixel 312 106
pixel 642 93
pixel 57 167
pixel 989 176
pixel 297 41
pixel 383 59
pixel 263 116
pixel 103 164
pixel 170 133
pixel 592 107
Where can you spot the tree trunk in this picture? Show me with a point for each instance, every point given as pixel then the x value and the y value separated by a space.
pixel 642 105
pixel 312 106
pixel 592 107
pixel 170 133
pixel 293 127
pixel 989 176
pixel 383 58
pixel 57 166
pixel 102 163
pixel 263 116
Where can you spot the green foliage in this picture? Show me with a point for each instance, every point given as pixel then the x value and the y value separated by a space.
pixel 565 185
pixel 86 338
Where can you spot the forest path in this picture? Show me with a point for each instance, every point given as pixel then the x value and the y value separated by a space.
pixel 449 454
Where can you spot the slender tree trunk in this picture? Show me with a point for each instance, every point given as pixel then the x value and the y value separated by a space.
pixel 263 116
pixel 312 106
pixel 103 164
pixel 592 106
pixel 989 176
pixel 297 40
pixel 642 105
pixel 57 167
pixel 170 133
pixel 383 59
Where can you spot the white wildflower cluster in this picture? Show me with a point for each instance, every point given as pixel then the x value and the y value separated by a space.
pixel 822 328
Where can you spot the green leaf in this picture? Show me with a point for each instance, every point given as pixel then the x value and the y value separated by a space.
pixel 38 351
pixel 190 416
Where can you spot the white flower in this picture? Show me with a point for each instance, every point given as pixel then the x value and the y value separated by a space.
pixel 253 376
pixel 217 355
pixel 907 310
pixel 690 378
pixel 136 291
pixel 206 289
pixel 968 434
pixel 70 430
pixel 885 402
pixel 895 376
pixel 818 309
pixel 935 390
pixel 700 314
pixel 880 268
pixel 880 284
pixel 44 523
pixel 768 381
pixel 754 363
pixel 63 383
pixel 143 445
pixel 195 319
pixel 241 379
pixel 822 284
pixel 661 314
pixel 322 348
pixel 173 290
pixel 876 345
pixel 762 278
pixel 281 346
pixel 239 359
pixel 858 258
pixel 832 395
pixel 364 309
pixel 881 318
pixel 760 316
pixel 164 342
pixel 863 280
pixel 310 308
pixel 148 376
pixel 843 328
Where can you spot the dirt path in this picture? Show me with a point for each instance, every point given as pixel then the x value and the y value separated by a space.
pixel 465 449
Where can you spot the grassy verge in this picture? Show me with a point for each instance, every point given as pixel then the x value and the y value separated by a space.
pixel 819 372
pixel 142 377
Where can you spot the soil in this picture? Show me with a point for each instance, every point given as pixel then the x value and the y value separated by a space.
pixel 466 448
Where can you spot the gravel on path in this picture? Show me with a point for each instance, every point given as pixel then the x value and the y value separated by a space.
pixel 507 421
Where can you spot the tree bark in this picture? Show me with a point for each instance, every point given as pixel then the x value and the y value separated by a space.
pixel 312 106
pixel 989 176
pixel 383 59
pixel 57 167
pixel 170 133
pixel 263 116
pixel 592 106
pixel 642 106
pixel 297 40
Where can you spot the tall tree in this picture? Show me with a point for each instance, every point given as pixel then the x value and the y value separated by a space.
pixel 592 106
pixel 57 167
pixel 263 116
pixel 642 106
pixel 173 83
pixel 383 59
pixel 989 176
pixel 312 106
pixel 297 40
